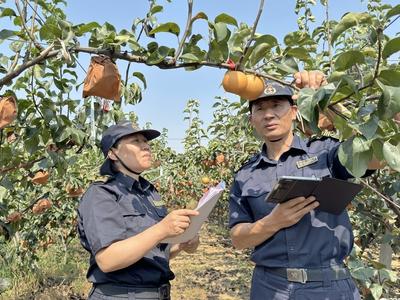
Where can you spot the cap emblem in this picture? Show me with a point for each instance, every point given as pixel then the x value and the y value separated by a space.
pixel 269 90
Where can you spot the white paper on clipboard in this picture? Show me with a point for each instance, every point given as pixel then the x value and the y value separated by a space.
pixel 204 207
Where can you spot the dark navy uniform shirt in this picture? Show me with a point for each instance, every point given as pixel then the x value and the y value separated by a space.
pixel 116 210
pixel 319 239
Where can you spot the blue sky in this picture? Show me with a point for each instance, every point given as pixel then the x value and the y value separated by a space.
pixel 169 90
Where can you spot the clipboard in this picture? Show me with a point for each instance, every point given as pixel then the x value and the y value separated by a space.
pixel 332 194
pixel 204 207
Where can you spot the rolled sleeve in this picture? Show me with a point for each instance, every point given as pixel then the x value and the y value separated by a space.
pixel 239 210
pixel 102 221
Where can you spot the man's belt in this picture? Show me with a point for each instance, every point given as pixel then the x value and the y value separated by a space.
pixel 307 275
pixel 111 289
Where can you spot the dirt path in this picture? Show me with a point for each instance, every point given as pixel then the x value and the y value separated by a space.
pixel 215 271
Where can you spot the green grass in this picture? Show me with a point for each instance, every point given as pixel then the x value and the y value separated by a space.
pixel 57 274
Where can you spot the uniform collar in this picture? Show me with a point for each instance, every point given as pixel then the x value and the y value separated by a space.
pixel 131 183
pixel 297 144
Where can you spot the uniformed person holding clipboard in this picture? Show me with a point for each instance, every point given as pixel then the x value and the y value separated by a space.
pixel 123 221
pixel 298 250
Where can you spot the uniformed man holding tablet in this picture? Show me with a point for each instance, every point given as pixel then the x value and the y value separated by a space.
pixel 298 251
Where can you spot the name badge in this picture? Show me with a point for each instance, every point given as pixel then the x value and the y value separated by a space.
pixel 306 162
pixel 158 203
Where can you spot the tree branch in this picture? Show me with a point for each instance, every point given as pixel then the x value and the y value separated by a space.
pixel 167 63
pixel 260 9
pixel 351 94
pixel 21 165
pixel 395 207
pixel 15 62
pixel 28 32
pixel 187 30
pixel 335 110
pixel 46 54
pixel 378 62
pixel 129 64
pixel 328 36
pixel 33 98
pixel 395 19
pixel 274 79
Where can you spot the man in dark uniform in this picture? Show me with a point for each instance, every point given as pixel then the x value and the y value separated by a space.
pixel 298 251
pixel 122 221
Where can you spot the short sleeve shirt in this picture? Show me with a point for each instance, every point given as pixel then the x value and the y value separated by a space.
pixel 319 239
pixel 116 210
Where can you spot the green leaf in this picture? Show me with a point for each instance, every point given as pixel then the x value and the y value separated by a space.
pixel 299 52
pixel 391 154
pixel 348 59
pixel 259 52
pixel 7 12
pixel 167 27
pixel 122 38
pixel 391 47
pixel 221 31
pixel 215 53
pixel 393 12
pixel 32 144
pixel 363 273
pixel 141 77
pixel 3 193
pixel 156 9
pixel 307 103
pixel 189 57
pixel 287 65
pixel 83 28
pixel 50 30
pixel 389 77
pixel 227 19
pixel 361 144
pixel 328 89
pixel 152 46
pixel 158 55
pixel 388 274
pixel 350 20
pixel 345 86
pixel 368 129
pixel 199 15
pixel 298 38
pixel 5 34
pixel 355 154
pixel 238 39
pixel 378 149
pixel 266 38
pixel 389 103
pixel 369 52
pixel 38 71
pixel 376 291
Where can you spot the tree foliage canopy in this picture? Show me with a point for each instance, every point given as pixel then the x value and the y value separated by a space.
pixel 57 133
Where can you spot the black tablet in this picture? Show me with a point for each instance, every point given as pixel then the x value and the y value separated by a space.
pixel 332 194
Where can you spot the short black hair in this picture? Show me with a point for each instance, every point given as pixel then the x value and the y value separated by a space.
pixel 288 98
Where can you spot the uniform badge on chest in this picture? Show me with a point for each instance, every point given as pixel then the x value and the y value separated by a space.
pixel 158 203
pixel 306 162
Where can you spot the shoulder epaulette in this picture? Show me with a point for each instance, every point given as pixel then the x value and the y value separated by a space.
pixel 103 179
pixel 323 137
pixel 248 162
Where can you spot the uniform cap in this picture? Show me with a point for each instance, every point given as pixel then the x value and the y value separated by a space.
pixel 116 132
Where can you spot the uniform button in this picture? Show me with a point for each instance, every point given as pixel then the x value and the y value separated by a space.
pixel 291 248
pixel 280 164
